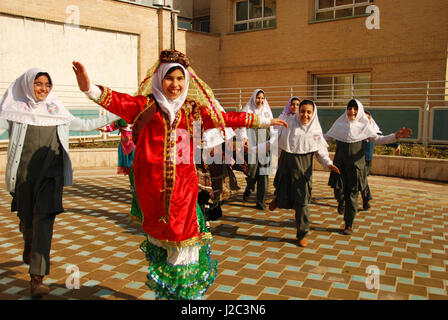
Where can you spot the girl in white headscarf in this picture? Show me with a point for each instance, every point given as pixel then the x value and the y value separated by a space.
pixel 350 131
pixel 38 163
pixel 293 181
pixel 291 108
pixel 166 184
pixel 257 168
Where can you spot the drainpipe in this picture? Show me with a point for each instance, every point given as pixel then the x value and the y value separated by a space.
pixel 168 5
pixel 173 30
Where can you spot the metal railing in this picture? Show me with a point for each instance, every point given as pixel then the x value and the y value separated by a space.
pixel 421 98
pixel 421 105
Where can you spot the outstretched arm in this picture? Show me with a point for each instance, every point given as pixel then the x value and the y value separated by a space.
pixel 85 125
pixel 393 137
pixel 121 104
pixel 242 120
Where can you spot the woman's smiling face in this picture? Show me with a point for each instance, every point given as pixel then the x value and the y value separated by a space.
pixel 294 106
pixel 173 84
pixel 259 99
pixel 42 87
pixel 306 113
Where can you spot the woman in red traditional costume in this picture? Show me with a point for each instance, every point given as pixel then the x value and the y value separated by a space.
pixel 163 115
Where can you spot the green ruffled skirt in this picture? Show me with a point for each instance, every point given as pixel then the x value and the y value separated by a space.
pixel 176 282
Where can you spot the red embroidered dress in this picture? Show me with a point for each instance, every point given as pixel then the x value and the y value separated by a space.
pixel 166 182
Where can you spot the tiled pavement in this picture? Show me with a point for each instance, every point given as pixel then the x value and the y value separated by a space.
pixel 404 235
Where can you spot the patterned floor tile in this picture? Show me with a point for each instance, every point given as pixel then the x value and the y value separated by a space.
pixel 404 236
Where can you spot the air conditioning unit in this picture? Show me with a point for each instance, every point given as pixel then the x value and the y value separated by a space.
pixel 158 2
pixel 163 3
pixel 145 2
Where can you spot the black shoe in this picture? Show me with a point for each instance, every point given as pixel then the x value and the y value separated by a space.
pixel 260 206
pixel 341 208
pixel 366 205
pixel 273 205
pixel 246 194
pixel 348 231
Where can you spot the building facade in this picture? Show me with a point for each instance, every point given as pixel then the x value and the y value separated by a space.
pixel 327 50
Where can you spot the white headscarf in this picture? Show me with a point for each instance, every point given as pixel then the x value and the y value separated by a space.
pixel 170 107
pixel 287 109
pixel 299 138
pixel 375 127
pixel 251 107
pixel 352 131
pixel 264 110
pixel 19 104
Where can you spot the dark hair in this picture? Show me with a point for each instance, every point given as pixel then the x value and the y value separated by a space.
pixel 44 74
pixel 367 112
pixel 264 95
pixel 295 98
pixel 174 69
pixel 304 102
pixel 352 104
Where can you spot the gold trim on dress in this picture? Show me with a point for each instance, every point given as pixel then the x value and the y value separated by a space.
pixel 169 162
pixel 203 238
pixel 149 104
pixel 106 98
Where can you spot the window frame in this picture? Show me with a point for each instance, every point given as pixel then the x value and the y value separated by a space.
pixel 335 8
pixel 333 100
pixel 261 19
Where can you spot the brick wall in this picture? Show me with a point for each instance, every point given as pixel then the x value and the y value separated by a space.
pixel 411 44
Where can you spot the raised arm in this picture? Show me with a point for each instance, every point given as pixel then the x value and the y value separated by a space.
pixel 124 105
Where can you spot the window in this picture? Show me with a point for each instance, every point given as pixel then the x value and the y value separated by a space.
pixel 333 9
pixel 184 23
pixel 254 14
pixel 202 24
pixel 337 89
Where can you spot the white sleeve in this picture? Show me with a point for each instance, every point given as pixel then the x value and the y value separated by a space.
pixel 384 139
pixel 265 122
pixel 94 92
pixel 328 138
pixel 86 125
pixel 323 157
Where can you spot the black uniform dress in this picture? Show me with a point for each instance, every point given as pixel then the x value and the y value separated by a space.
pixel 350 159
pixel 293 186
pixel 255 166
pixel 38 192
